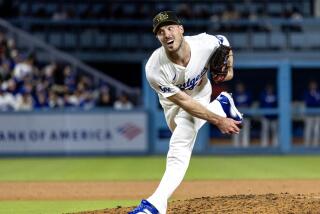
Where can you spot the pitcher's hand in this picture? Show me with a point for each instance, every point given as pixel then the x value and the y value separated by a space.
pixel 228 126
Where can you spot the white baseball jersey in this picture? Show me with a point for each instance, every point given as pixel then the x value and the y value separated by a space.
pixel 168 78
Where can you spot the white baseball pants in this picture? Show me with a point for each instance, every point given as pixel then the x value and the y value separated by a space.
pixel 178 157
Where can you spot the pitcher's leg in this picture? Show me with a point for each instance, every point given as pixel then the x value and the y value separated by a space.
pixel 181 145
pixel 223 106
pixel 214 107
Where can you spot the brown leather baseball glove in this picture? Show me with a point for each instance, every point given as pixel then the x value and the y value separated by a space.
pixel 218 63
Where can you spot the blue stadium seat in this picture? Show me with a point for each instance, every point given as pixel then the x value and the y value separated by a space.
pixel 238 40
pixel 148 41
pixel 298 40
pixel 55 39
pixel 116 40
pixel 100 40
pixel 260 40
pixel 132 40
pixel 70 40
pixel 86 39
pixel 312 40
pixel 277 40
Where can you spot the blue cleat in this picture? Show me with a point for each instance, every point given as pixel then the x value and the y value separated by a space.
pixel 145 207
pixel 229 107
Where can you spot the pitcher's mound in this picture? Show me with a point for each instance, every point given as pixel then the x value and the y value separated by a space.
pixel 238 204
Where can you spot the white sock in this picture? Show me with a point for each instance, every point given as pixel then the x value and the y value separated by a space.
pixel 216 108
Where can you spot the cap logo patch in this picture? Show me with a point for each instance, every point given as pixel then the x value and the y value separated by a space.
pixel 162 16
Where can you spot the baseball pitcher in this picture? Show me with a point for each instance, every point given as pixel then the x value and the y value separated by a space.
pixel 177 71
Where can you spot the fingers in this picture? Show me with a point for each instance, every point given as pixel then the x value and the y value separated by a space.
pixel 234 129
pixel 236 126
pixel 231 127
pixel 239 124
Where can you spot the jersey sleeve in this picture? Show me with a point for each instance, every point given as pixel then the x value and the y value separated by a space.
pixel 223 40
pixel 215 41
pixel 160 82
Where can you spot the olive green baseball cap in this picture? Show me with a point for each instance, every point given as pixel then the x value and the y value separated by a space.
pixel 165 18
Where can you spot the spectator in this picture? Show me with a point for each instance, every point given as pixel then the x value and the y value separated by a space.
pixel 123 103
pixel 69 78
pixel 24 68
pixel 25 87
pixel 41 101
pixel 76 98
pixel 8 51
pixel 312 122
pixel 11 87
pixel 5 71
pixel 293 14
pixel 228 15
pixel 104 99
pixel 87 100
pixel 184 11
pixel 7 101
pixel 60 14
pixel 24 101
pixel 58 79
pixel 269 129
pixel 242 99
pixel 54 100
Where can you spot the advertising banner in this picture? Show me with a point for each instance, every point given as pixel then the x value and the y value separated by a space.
pixel 85 132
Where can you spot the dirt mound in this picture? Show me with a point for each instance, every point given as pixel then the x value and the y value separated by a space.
pixel 283 203
pixel 226 196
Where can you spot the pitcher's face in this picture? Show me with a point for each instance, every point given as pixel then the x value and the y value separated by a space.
pixel 171 37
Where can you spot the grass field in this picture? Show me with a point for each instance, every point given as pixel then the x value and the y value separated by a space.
pixel 54 207
pixel 142 168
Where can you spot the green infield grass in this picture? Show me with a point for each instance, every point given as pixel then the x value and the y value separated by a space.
pixel 55 207
pixel 152 168
pixel 141 168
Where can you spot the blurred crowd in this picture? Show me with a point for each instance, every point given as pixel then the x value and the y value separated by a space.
pixel 223 10
pixel 216 11
pixel 27 84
